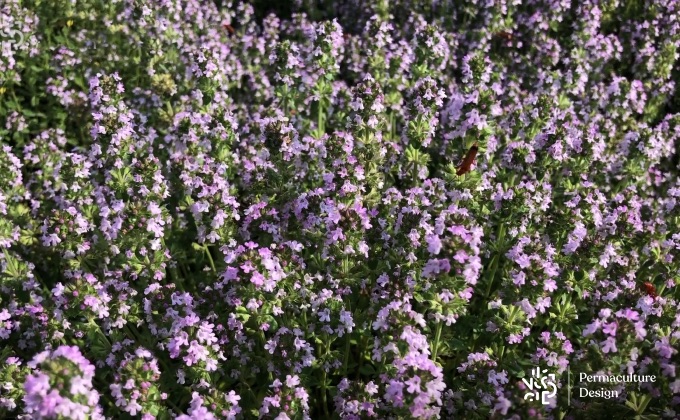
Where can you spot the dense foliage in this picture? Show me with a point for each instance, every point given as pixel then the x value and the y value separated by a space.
pixel 208 211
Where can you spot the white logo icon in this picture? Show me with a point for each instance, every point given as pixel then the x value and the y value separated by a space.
pixel 539 386
pixel 15 37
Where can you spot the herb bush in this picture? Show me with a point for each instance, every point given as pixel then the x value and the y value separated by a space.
pixel 209 211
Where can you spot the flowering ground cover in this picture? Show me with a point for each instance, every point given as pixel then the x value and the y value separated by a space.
pixel 342 209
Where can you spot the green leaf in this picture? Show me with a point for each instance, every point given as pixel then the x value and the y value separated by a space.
pixel 367 370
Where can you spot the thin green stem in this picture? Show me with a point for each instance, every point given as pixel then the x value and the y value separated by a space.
pixel 134 335
pixel 494 267
pixel 435 345
pixel 345 361
pixel 474 343
pixel 324 379
pixel 264 342
pixel 173 405
pixel 210 258
pixel 324 399
pixel 500 238
pixel 16 100
pixel 166 367
pixel 185 274
pixel 361 355
pixel 392 127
